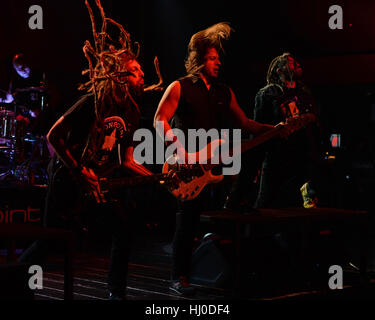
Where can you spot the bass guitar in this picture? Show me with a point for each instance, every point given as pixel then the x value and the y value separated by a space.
pixel 192 178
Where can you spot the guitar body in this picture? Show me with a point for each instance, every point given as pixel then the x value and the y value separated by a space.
pixel 191 184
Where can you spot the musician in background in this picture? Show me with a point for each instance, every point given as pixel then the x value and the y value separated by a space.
pixel 197 101
pixel 31 96
pixel 23 80
pixel 21 75
pixel 31 103
pixel 96 134
pixel 282 172
pixel 288 167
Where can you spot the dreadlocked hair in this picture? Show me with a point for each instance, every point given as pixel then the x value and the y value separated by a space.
pixel 106 61
pixel 211 37
pixel 280 62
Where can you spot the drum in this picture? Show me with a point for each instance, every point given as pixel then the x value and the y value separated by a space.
pixel 7 126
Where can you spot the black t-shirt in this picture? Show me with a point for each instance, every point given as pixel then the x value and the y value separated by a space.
pixel 273 105
pixel 120 123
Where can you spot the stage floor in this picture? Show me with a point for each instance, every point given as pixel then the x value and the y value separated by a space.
pixel 149 279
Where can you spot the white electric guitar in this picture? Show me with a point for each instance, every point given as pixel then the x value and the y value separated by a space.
pixel 192 178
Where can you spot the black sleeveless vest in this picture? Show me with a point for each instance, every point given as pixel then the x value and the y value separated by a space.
pixel 202 108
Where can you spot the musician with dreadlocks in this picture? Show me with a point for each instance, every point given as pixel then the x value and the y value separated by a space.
pixel 288 164
pixel 96 135
pixel 198 101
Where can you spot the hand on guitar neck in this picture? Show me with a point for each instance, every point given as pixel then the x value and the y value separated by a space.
pixel 294 124
pixel 285 130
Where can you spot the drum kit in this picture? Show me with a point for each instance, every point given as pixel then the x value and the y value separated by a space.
pixel 23 154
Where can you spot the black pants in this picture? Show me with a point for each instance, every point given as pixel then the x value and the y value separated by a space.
pixel 62 210
pixel 280 188
pixel 187 221
pixel 244 189
pixel 119 226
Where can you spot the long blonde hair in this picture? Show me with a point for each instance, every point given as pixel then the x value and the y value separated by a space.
pixel 211 37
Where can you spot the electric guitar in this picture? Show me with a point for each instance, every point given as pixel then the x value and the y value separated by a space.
pixel 192 178
pixel 100 190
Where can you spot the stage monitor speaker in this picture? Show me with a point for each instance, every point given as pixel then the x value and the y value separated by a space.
pixel 14 282
pixel 209 266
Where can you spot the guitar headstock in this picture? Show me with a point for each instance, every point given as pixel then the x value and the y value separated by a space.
pixel 297 123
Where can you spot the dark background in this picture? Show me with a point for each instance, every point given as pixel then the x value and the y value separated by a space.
pixel 339 65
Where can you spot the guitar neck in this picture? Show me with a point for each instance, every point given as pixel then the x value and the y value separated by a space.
pixel 114 183
pixel 247 145
pixel 250 144
pixel 239 148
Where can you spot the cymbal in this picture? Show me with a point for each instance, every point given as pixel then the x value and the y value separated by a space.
pixel 7 113
pixel 32 89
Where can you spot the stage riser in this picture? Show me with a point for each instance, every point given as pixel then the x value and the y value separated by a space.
pixel 22 205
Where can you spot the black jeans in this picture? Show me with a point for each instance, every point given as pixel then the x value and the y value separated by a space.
pixel 280 184
pixel 244 189
pixel 116 220
pixel 187 221
pixel 62 210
